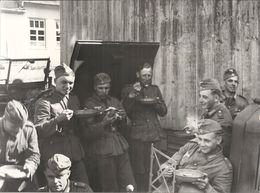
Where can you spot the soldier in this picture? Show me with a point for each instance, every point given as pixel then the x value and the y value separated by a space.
pixel 209 100
pixel 57 127
pixel 206 156
pixel 18 145
pixel 233 101
pixel 57 173
pixel 107 159
pixel 145 128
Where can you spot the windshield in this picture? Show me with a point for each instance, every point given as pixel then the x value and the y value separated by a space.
pixel 22 71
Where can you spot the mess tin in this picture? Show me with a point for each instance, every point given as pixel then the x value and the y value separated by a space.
pixel 188 175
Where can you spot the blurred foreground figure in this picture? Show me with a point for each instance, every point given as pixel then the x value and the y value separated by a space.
pixel 18 148
pixel 57 173
pixel 205 156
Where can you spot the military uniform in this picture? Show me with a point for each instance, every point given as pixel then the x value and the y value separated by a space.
pixel 235 104
pixel 221 114
pixel 59 138
pixel 72 187
pixel 21 149
pixel 107 157
pixel 145 129
pixel 215 165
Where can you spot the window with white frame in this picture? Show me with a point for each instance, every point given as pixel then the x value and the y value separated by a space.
pixel 37 32
pixel 58 32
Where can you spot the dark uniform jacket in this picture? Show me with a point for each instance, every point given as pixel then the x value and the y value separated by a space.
pixel 72 187
pixel 20 150
pixel 145 123
pixel 54 137
pixel 215 165
pixel 103 140
pixel 235 104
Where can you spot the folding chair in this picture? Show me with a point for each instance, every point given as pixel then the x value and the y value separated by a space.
pixel 152 186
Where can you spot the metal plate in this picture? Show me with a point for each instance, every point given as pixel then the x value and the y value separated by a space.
pixel 87 113
pixel 188 175
pixel 147 100
pixel 12 171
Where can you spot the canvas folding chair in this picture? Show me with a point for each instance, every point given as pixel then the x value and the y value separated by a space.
pixel 168 187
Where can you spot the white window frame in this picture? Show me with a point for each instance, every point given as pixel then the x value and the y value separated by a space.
pixel 37 32
pixel 57 32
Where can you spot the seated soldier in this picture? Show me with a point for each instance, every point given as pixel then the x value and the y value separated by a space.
pixel 18 147
pixel 57 173
pixel 204 154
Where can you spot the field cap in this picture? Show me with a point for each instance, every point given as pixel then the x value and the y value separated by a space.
pixel 59 164
pixel 16 112
pixel 63 70
pixel 208 126
pixel 101 78
pixel 230 72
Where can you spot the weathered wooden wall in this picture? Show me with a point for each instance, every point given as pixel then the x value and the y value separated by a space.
pixel 198 39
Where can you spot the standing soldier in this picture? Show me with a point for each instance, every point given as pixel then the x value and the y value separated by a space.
pixel 233 101
pixel 57 173
pixel 56 125
pixel 146 127
pixel 209 100
pixel 107 158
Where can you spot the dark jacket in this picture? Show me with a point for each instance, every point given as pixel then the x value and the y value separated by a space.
pixel 103 140
pixel 235 104
pixel 72 187
pixel 144 117
pixel 54 137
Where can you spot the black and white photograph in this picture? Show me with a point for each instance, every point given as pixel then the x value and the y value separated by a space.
pixel 158 96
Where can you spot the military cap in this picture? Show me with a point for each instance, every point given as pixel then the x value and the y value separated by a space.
pixel 63 70
pixel 207 126
pixel 209 84
pixel 59 164
pixel 101 78
pixel 16 112
pixel 230 72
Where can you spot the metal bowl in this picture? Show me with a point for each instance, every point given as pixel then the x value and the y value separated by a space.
pixel 188 175
pixel 148 101
pixel 12 171
pixel 87 113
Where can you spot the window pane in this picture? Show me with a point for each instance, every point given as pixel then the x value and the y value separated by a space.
pixel 57 33
pixel 32 37
pixel 40 38
pixel 36 23
pixel 40 32
pixel 31 23
pixel 32 32
pixel 57 39
pixel 57 25
pixel 41 24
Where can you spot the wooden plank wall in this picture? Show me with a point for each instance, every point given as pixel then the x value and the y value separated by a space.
pixel 198 39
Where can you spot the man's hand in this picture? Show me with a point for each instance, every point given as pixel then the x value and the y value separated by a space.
pixel 168 170
pixel 137 88
pixel 65 115
pixel 109 118
pixel 202 183
pixel 27 169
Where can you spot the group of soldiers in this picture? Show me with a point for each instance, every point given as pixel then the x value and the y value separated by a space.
pixel 110 151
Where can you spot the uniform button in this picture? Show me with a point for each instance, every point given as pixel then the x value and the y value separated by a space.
pixel 148 120
pixel 195 164
pixel 51 142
